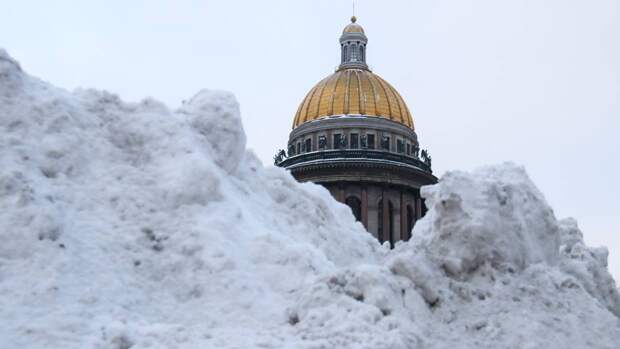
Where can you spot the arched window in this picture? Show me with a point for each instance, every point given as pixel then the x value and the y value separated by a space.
pixel 386 229
pixel 410 222
pixel 356 206
pixel 354 52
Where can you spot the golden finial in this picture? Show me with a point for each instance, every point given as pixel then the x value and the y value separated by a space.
pixel 353 19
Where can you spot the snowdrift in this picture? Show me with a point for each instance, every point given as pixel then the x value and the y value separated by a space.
pixel 131 225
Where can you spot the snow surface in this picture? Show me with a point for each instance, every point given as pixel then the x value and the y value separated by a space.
pixel 130 225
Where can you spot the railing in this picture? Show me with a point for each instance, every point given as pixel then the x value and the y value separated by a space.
pixel 351 154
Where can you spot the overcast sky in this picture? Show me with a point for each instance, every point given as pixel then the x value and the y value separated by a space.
pixel 533 82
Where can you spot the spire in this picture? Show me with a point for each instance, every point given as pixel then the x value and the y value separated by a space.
pixel 353 46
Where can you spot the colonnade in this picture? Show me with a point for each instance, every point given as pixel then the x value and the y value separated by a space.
pixel 387 212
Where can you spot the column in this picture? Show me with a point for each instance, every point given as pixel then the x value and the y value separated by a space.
pixel 385 234
pixel 341 197
pixel 403 217
pixel 365 207
pixel 315 141
pixel 329 144
pixel 418 206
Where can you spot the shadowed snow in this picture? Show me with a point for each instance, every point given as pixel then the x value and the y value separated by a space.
pixel 130 225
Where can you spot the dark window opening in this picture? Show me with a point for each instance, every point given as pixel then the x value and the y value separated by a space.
pixel 371 141
pixel 354 141
pixel 298 148
pixel 408 149
pixel 356 207
pixel 400 146
pixel 410 222
pixel 337 140
pixel 308 145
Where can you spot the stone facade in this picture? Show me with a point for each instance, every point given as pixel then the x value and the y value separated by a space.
pixel 401 209
pixel 381 184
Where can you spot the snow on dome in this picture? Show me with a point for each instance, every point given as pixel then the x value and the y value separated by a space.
pixel 130 225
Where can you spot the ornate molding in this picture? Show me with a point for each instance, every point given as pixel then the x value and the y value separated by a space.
pixel 356 155
pixel 353 121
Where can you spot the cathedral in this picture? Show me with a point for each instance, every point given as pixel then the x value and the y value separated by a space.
pixel 353 133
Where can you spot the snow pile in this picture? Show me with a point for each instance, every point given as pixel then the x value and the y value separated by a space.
pixel 469 211
pixel 130 225
pixel 489 266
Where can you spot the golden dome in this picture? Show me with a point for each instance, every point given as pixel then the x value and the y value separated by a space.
pixel 353 27
pixel 353 92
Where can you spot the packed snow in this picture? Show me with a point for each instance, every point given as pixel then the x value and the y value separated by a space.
pixel 131 225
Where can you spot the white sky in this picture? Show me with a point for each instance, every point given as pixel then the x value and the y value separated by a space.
pixel 534 82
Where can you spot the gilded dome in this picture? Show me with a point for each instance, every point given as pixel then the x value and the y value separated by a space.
pixel 353 27
pixel 353 92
